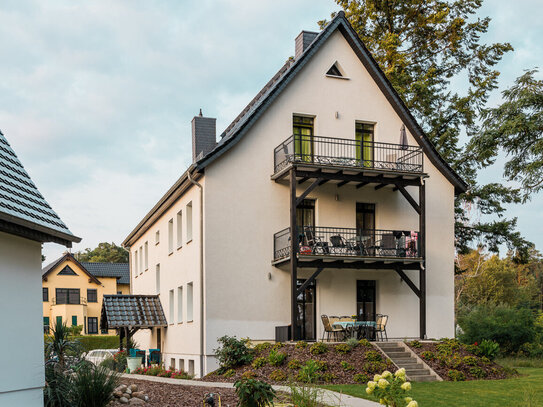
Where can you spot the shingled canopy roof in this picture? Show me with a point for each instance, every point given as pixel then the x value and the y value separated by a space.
pixel 132 312
pixel 23 209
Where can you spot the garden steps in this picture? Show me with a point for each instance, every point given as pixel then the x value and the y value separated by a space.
pixel 415 368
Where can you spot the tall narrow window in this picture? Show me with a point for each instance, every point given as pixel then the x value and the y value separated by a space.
pixel 157 237
pixel 170 236
pixel 45 294
pixel 171 303
pixel 46 325
pixel 136 263
pixel 74 320
pixel 364 143
pixel 146 256
pixel 157 277
pixel 191 367
pixel 190 305
pixel 179 229
pixel 189 221
pixel 141 259
pixel 302 129
pixel 93 325
pixel 180 304
pixel 365 216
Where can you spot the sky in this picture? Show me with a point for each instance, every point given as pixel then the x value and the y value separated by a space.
pixel 96 97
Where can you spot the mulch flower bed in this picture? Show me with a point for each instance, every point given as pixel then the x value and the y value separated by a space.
pixel 174 395
pixel 337 363
pixel 454 361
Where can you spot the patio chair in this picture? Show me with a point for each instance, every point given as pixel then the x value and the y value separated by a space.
pixel 329 328
pixel 388 245
pixel 381 326
pixel 315 242
pixel 155 356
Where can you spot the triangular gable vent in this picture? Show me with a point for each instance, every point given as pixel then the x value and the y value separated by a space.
pixel 67 271
pixel 335 71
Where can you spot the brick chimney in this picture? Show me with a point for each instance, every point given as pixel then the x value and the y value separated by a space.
pixel 303 40
pixel 203 136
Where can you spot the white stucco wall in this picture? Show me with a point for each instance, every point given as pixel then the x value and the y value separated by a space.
pixel 21 338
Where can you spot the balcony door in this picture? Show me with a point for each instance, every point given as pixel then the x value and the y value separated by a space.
pixel 306 305
pixel 302 129
pixel 305 217
pixel 364 143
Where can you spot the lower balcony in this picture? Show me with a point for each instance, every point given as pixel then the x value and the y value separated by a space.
pixel 348 244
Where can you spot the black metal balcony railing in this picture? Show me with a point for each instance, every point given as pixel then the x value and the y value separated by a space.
pixel 348 153
pixel 330 241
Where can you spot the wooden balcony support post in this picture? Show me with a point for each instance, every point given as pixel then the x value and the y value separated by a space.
pixel 409 198
pixel 293 254
pixel 422 250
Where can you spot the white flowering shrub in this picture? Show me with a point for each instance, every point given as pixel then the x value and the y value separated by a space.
pixel 391 389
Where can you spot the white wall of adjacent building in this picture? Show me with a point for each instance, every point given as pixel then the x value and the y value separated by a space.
pixel 244 294
pixel 21 339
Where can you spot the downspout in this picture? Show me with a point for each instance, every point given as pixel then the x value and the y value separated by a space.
pixel 201 271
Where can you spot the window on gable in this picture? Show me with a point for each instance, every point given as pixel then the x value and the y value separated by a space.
pixel 336 71
pixel 67 271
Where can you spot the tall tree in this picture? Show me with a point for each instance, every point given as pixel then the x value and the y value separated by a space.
pixel 423 46
pixel 104 253
pixel 516 128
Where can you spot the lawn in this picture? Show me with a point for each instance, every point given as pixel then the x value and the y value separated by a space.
pixel 525 391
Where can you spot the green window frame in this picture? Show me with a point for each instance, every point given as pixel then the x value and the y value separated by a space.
pixel 302 129
pixel 92 295
pixel 74 320
pixel 364 143
pixel 45 321
pixel 59 320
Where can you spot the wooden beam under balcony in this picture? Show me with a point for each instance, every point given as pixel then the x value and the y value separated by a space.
pixel 358 178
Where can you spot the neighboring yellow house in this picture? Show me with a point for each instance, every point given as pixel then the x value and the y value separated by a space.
pixel 73 291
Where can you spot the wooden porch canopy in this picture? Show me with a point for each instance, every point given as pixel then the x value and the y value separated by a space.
pixel 129 313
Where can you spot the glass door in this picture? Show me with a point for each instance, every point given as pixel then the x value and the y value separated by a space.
pixel 365 300
pixel 365 228
pixel 364 143
pixel 306 318
pixel 302 129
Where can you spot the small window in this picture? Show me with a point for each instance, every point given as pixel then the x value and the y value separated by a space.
pixel 46 325
pixel 171 304
pixel 157 282
pixel 180 304
pixel 191 367
pixel 336 71
pixel 182 364
pixel 172 364
pixel 93 325
pixel 189 221
pixel 67 271
pixel 157 237
pixel 119 292
pixel 59 320
pixel 146 256
pixel 190 305
pixel 170 236
pixel 92 295
pixel 45 294
pixel 74 320
pixel 179 229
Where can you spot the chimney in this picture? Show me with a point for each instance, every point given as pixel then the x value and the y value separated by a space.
pixel 203 136
pixel 302 42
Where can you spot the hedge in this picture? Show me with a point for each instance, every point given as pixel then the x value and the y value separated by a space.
pixel 90 342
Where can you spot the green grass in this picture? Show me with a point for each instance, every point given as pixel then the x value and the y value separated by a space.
pixel 524 391
pixel 520 362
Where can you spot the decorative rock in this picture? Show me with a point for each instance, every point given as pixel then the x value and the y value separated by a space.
pixel 128 391
pixel 117 394
pixel 122 388
pixel 123 400
pixel 138 394
pixel 127 396
pixel 146 398
pixel 133 387
pixel 136 400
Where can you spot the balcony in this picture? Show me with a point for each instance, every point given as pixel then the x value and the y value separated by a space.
pixel 347 154
pixel 349 244
pixel 69 301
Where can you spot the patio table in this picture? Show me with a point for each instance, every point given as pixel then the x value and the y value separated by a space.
pixel 355 326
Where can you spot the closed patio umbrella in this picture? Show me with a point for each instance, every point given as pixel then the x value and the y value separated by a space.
pixel 403 138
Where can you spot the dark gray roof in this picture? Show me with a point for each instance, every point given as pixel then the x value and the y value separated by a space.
pixel 132 311
pixel 119 270
pixel 23 206
pixel 241 124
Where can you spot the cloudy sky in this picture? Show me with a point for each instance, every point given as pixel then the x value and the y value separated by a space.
pixel 96 97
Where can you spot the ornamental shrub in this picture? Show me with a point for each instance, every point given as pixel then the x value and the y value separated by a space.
pixel 360 378
pixel 248 374
pixel 343 348
pixel 352 343
pixel 365 343
pixel 428 355
pixel 318 348
pixel 328 377
pixel 259 362
pixel 229 373
pixel 348 366
pixel 278 376
pixel 456 375
pixel 391 389
pixel 301 345
pixel 374 366
pixel 308 372
pixel 276 358
pixel 509 327
pixel 477 372
pixel 294 364
pixel 278 345
pixel 470 360
pixel 490 349
pixel 373 356
pixel 254 393
pixel 233 352
pixel 321 365
pixel 262 347
pixel 415 344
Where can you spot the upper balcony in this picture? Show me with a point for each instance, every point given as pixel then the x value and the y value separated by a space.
pixel 348 156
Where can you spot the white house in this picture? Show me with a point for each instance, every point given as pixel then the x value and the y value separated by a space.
pixel 26 221
pixel 324 196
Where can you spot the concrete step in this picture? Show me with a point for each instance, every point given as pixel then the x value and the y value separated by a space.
pixel 417 372
pixel 410 366
pixel 398 354
pixel 426 378
pixel 402 361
